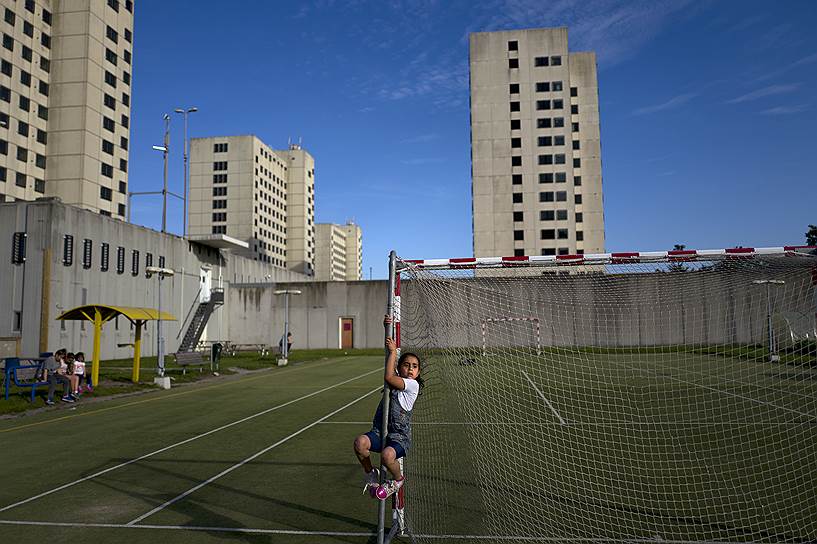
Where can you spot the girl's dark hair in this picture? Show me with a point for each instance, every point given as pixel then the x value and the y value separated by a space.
pixel 79 354
pixel 420 361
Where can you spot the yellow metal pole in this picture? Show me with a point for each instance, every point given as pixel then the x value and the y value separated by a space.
pixel 97 335
pixel 137 351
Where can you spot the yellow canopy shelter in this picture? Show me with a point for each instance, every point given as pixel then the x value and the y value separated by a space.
pixel 99 314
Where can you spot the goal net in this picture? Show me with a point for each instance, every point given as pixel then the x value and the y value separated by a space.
pixel 661 396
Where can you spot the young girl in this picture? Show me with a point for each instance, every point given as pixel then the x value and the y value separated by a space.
pixel 69 368
pixel 79 370
pixel 403 379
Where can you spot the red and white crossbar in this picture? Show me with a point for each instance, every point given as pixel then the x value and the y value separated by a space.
pixel 609 258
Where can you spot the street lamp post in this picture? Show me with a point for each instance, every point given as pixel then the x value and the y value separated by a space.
pixel 284 344
pixel 164 192
pixel 161 273
pixel 773 355
pixel 185 113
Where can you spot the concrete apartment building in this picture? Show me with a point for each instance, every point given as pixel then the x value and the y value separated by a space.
pixel 242 188
pixel 535 145
pixel 339 252
pixel 65 94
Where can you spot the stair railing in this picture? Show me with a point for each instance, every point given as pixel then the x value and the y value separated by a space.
pixel 189 312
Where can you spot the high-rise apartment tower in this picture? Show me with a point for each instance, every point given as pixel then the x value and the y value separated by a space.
pixel 339 253
pixel 65 94
pixel 535 145
pixel 241 187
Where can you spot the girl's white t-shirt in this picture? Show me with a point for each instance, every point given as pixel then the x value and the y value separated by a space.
pixel 79 368
pixel 408 396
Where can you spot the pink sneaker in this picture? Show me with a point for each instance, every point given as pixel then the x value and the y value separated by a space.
pixel 370 482
pixel 389 488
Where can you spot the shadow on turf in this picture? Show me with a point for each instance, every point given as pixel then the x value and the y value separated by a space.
pixel 200 516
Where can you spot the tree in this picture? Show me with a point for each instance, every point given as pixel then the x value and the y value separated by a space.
pixel 678 267
pixel 811 235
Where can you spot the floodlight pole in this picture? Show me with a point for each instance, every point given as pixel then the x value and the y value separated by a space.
pixel 773 356
pixel 285 343
pixel 161 273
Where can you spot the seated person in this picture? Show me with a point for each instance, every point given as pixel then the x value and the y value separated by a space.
pixel 54 374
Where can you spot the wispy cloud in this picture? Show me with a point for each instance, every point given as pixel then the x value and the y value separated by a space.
pixel 672 103
pixel 424 160
pixel 421 138
pixel 785 110
pixel 771 90
pixel 810 59
pixel 667 173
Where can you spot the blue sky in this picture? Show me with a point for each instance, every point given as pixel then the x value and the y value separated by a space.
pixel 708 110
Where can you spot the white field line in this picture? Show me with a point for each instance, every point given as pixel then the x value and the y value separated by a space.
pixel 248 459
pixel 549 405
pixel 249 530
pixel 186 441
pixel 574 423
pixel 721 391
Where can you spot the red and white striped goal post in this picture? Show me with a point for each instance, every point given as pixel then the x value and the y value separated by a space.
pixel 627 257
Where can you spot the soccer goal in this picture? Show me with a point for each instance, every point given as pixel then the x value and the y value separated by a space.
pixel 626 396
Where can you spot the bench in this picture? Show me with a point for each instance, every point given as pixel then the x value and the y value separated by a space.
pixel 232 349
pixel 190 358
pixel 23 375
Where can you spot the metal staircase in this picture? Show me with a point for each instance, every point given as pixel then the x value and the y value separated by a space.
pixel 199 320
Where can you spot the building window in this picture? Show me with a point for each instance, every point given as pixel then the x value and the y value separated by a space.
pixel 561 196
pixel 67 250
pixel 47 17
pixel 561 215
pixel 104 255
pixel 518 216
pixel 28 29
pixel 574 127
pixel 576 144
pixel 546 215
pixel 558 122
pixel 42 87
pixel 3 173
pixel 45 40
pixel 45 65
pixel 123 165
pixel 125 121
pixel 219 204
pixel 108 124
pixel 548 251
pixel 24 103
pixel 87 253
pixel 220 165
pixel 514 87
pixel 513 63
pixel 42 112
pixel 22 154
pixel 39 161
pixel 518 235
pixel 516 142
pixel 105 193
pixel 20 179
pixel 39 185
pixel 577 163
pixel 579 217
pixel 120 210
pixel 26 53
pixel 110 79
pixel 558 104
pixel 561 234
pixel 516 161
pixel 126 78
pixel 556 61
pixel 219 178
pixel 517 198
pixel 561 177
pixel 123 187
pixel 25 78
pixel 219 229
pixel 574 91
pixel 4 147
pixel 107 170
pixel 5 94
pixel 129 5
pixel 123 142
pixel 546 178
pixel 18 248
pixel 564 251
pixel 557 86
pixel 543 104
pixel 9 17
pixel 104 213
pixel 516 124
pixel 543 122
pixel 559 159
pixel 114 4
pixel 219 191
pixel 516 179
pixel 577 180
pixel 161 261
pixel 112 34
pixel 540 61
pixel 126 56
pixel 220 148
pixel 8 42
pixel 545 159
pixel 120 260
pixel 513 45
pixel 577 199
pixel 514 106
pixel 220 216
pixel 148 260
pixel 546 196
pixel 128 36
pixel 574 109
pixel 5 67
pixel 542 87
pixel 544 141
pixel 579 235
pixel 109 101
pixel 558 140
pixel 547 234
pixel 134 265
